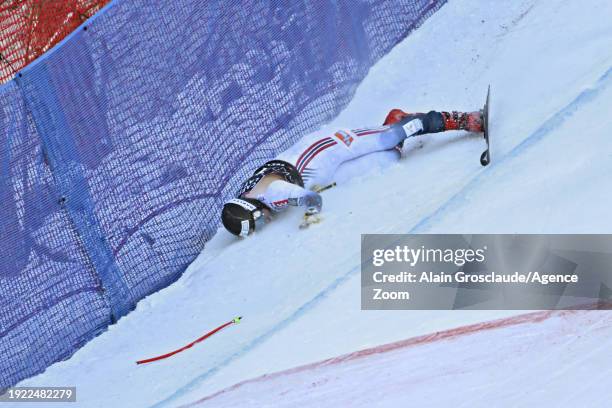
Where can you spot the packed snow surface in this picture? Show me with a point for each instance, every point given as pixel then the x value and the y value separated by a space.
pixel 533 348
pixel 549 63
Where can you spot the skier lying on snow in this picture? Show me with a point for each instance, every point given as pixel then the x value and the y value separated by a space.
pixel 295 176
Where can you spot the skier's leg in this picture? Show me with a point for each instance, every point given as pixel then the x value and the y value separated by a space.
pixel 371 140
pixel 318 162
pixel 434 122
pixel 365 141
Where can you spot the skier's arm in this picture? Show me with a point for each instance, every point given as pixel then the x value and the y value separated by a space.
pixel 281 194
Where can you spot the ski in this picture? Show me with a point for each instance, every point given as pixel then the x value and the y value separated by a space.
pixel 485 157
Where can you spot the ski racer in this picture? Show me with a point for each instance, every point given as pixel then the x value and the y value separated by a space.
pixel 297 175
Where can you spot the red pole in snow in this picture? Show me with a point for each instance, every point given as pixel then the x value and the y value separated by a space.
pixel 204 337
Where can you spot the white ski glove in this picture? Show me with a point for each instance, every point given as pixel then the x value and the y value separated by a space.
pixel 312 201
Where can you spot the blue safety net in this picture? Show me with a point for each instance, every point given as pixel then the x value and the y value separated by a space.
pixel 119 146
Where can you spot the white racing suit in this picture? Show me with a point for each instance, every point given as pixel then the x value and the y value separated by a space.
pixel 317 159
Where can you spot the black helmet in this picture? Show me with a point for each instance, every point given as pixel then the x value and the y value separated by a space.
pixel 240 215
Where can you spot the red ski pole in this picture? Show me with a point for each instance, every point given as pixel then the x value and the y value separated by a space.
pixel 204 337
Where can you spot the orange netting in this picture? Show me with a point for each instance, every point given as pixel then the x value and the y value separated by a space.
pixel 28 28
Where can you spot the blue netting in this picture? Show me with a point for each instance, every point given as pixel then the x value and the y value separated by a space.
pixel 120 145
pixel 51 300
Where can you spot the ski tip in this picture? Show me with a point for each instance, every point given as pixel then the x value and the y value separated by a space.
pixel 237 319
pixel 485 159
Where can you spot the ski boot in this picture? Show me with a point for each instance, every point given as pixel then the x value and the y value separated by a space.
pixel 470 121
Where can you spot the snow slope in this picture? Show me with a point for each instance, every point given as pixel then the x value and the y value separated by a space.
pixel 406 373
pixel 549 63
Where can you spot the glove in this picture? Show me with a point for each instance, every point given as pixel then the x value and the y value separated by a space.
pixel 313 202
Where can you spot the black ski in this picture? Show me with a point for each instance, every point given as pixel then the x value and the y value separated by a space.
pixel 485 157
